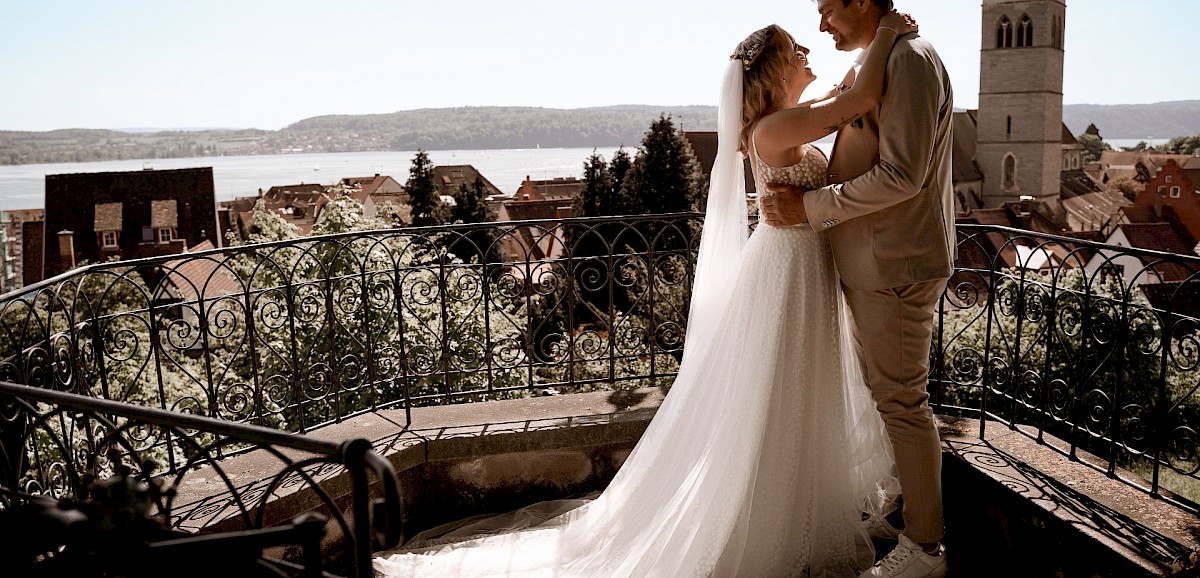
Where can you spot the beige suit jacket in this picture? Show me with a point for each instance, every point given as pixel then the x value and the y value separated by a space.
pixel 890 209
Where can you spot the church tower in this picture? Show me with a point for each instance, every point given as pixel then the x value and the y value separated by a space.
pixel 1019 141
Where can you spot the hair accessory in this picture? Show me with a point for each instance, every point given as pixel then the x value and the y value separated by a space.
pixel 747 52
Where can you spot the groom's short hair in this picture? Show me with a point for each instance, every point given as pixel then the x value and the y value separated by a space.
pixel 885 5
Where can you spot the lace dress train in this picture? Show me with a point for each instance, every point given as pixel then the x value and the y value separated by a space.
pixel 759 462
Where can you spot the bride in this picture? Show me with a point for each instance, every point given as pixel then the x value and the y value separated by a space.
pixel 767 453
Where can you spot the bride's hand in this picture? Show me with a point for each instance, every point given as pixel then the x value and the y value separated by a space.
pixel 901 24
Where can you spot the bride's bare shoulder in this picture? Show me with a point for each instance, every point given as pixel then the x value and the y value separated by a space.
pixel 772 143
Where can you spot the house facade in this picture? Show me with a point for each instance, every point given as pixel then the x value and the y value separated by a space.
pixel 374 191
pixel 94 217
pixel 1175 185
pixel 12 246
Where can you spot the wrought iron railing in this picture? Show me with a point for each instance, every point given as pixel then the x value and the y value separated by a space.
pixel 158 484
pixel 1089 348
pixel 1086 347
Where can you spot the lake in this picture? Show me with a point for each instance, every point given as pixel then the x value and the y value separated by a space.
pixel 23 186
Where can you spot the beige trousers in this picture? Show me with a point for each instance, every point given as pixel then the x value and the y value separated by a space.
pixel 894 331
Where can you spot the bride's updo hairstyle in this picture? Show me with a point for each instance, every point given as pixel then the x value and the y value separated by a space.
pixel 765 56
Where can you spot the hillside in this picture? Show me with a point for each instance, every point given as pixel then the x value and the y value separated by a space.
pixel 494 127
pixel 1136 121
pixel 485 128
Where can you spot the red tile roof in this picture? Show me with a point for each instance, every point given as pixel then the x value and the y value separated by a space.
pixel 206 276
pixel 164 214
pixel 449 178
pixel 108 217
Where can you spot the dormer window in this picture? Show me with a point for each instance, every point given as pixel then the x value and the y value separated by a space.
pixel 108 223
pixel 164 219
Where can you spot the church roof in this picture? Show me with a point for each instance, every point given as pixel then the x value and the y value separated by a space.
pixel 963 157
pixel 1068 138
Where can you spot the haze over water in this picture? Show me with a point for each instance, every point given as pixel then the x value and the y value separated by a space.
pixel 23 186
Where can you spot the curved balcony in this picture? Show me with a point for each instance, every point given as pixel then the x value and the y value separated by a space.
pixel 1089 351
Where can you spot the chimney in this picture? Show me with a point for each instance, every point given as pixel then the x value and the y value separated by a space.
pixel 66 249
pixel 1158 200
pixel 1026 212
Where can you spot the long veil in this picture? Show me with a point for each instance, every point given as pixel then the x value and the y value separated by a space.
pixel 683 503
pixel 725 216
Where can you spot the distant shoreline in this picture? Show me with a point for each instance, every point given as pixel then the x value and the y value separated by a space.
pixel 485 128
pixel 23 186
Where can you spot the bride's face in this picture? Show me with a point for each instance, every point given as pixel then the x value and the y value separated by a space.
pixel 799 75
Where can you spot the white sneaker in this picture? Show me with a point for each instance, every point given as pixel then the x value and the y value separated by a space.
pixel 909 560
pixel 880 529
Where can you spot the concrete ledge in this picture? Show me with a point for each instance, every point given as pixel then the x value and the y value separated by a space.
pixel 1018 508
pixel 464 460
pixel 1014 507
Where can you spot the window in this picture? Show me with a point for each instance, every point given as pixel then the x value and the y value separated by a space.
pixel 1162 190
pixel 164 236
pixel 1174 192
pixel 1004 33
pixel 1025 31
pixel 1009 129
pixel 1010 172
pixel 1169 179
pixel 108 239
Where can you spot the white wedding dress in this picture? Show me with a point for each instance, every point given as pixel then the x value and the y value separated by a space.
pixel 760 461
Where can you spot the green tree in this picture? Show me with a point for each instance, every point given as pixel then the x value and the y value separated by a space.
pixel 1182 145
pixel 597 187
pixel 1128 187
pixel 324 307
pixel 470 206
pixel 665 176
pixel 619 168
pixel 1093 145
pixel 427 206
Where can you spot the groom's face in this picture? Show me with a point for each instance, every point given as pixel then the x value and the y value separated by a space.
pixel 846 22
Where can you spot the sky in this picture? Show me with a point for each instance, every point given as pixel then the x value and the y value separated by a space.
pixel 266 64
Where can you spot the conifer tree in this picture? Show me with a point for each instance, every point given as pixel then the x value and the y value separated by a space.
pixel 665 177
pixel 427 205
pixel 597 187
pixel 470 206
pixel 619 168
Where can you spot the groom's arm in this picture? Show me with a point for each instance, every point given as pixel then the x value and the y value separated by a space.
pixel 907 126
pixel 786 207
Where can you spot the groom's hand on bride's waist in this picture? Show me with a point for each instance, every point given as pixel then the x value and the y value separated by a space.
pixel 785 207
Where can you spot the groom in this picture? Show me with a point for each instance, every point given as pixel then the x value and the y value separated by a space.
pixel 890 218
